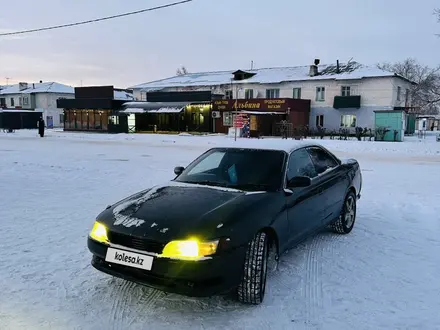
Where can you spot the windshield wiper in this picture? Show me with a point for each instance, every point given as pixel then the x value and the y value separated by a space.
pixel 207 183
pixel 250 186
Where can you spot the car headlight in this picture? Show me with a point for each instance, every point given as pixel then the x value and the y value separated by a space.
pixel 191 249
pixel 99 233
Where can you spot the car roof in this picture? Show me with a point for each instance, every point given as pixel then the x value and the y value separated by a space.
pixel 287 146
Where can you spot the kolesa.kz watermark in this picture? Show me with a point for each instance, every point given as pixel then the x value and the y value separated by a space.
pixel 132 260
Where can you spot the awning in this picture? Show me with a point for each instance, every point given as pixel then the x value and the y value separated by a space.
pixel 262 113
pixel 153 107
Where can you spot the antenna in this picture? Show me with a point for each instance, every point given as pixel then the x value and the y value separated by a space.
pixel 7 81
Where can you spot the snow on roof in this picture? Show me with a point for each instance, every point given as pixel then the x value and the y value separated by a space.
pixel 272 144
pixel 46 87
pixel 349 71
pixel 123 95
pixel 21 110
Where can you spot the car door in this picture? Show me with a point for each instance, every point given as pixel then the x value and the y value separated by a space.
pixel 302 204
pixel 332 181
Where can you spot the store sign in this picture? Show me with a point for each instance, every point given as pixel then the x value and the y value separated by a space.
pixel 239 120
pixel 256 104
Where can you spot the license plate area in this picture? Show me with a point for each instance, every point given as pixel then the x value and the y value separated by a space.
pixel 128 258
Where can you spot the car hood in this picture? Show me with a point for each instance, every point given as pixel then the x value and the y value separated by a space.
pixel 176 210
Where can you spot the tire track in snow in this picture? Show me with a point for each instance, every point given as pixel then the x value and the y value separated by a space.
pixel 312 289
pixel 148 299
pixel 119 306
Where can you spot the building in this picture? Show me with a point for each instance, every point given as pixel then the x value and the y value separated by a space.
pixel 95 109
pixel 340 95
pixel 428 123
pixel 39 97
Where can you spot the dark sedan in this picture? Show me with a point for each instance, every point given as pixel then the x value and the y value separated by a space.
pixel 209 231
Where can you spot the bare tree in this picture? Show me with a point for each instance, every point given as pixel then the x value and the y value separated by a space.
pixel 425 94
pixel 181 71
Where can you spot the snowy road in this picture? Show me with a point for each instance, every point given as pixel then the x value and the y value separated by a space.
pixel 385 275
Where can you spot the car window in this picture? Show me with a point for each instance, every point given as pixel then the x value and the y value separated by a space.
pixel 300 164
pixel 252 169
pixel 322 159
pixel 208 163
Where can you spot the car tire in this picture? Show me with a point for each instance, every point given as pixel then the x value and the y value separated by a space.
pixel 253 283
pixel 345 223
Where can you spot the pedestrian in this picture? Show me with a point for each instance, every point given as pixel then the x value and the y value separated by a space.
pixel 41 125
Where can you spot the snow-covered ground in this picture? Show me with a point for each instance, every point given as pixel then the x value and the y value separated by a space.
pixel 384 275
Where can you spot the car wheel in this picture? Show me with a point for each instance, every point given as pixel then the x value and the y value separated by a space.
pixel 345 222
pixel 253 283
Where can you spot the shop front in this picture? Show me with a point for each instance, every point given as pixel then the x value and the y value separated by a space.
pixel 262 115
pixel 168 116
pixel 93 109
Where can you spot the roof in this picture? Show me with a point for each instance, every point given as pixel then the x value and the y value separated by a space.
pixel 21 110
pixel 349 71
pixel 54 87
pixel 122 95
pixel 46 87
pixel 271 144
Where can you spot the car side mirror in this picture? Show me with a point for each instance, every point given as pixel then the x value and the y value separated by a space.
pixel 299 181
pixel 178 170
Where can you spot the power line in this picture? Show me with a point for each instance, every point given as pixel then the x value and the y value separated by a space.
pixel 96 20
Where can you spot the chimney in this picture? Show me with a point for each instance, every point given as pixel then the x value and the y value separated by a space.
pixel 314 68
pixel 33 86
pixel 22 86
pixel 338 68
pixel 41 81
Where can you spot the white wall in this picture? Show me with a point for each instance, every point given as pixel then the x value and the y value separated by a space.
pixel 378 93
pixel 16 98
pixel 47 102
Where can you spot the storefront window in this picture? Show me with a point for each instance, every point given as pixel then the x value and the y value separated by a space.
pixel 253 123
pixel 97 121
pixel 85 119
pixel 104 120
pixel 227 118
pixel 77 118
pixel 91 120
pixel 67 118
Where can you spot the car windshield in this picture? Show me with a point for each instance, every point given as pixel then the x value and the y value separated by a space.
pixel 245 169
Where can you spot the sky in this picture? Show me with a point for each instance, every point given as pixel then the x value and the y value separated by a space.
pixel 207 35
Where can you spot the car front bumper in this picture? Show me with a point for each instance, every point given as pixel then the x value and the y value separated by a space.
pixel 201 278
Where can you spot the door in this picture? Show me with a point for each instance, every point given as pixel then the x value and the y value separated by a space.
pixel 303 208
pixel 333 181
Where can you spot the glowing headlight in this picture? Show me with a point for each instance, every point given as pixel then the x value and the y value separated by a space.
pixel 189 249
pixel 99 233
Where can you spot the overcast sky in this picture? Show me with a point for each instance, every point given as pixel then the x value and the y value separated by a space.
pixel 207 35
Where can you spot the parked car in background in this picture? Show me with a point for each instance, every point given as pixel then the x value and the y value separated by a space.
pixel 210 229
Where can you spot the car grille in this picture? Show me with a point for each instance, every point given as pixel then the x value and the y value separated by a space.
pixel 136 242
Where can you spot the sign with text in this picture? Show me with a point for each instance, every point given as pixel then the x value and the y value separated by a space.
pixel 239 120
pixel 251 104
